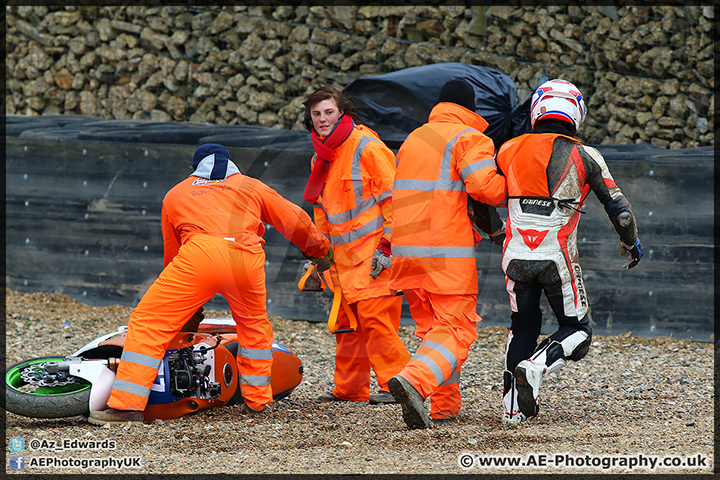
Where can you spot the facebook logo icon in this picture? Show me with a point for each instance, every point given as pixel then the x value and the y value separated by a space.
pixel 17 462
pixel 17 444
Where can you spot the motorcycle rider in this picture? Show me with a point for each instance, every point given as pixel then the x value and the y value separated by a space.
pixel 549 174
pixel 212 225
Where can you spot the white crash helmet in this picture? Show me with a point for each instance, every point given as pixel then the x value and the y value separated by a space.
pixel 558 100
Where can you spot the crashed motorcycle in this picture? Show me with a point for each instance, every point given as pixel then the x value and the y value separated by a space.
pixel 198 372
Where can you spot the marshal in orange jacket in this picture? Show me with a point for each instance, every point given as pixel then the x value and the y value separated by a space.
pixel 212 231
pixel 235 209
pixel 354 210
pixel 432 236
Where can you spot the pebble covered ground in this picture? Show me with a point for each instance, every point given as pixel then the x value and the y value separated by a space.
pixel 631 401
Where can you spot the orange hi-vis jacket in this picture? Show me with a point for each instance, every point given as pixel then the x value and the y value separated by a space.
pixel 354 210
pixel 212 231
pixel 235 209
pixel 438 165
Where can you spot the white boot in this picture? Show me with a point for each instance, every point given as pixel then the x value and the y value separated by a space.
pixel 528 377
pixel 512 414
pixel 549 357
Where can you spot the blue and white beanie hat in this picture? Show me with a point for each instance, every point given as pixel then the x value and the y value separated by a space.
pixel 212 161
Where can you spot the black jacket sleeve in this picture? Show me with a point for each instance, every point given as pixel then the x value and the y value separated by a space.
pixel 484 216
pixel 617 207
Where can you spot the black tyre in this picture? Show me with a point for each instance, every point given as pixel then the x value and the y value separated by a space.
pixel 23 398
pixel 15 129
pixel 56 134
pixel 15 125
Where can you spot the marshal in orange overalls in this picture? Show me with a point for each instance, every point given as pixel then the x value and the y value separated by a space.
pixel 354 211
pixel 434 264
pixel 212 231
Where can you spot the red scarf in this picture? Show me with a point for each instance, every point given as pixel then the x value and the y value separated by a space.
pixel 324 152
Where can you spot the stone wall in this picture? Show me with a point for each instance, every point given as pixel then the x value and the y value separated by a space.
pixel 647 72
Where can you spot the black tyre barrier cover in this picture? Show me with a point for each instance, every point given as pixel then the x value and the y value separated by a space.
pixel 58 134
pixel 73 128
pixel 257 139
pixel 116 123
pixel 16 124
pixel 401 101
pixel 175 133
pixel 44 207
pixel 70 130
pixel 43 406
pixel 630 151
pixel 15 129
pixel 52 118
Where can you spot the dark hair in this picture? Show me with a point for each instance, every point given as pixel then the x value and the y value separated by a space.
pixel 327 92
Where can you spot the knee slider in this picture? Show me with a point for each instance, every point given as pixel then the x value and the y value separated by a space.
pixel 555 352
pixel 581 349
pixel 548 352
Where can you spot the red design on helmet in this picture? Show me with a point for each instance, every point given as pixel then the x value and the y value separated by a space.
pixel 558 100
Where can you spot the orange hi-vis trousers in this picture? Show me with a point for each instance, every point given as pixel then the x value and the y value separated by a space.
pixel 446 324
pixel 374 344
pixel 205 265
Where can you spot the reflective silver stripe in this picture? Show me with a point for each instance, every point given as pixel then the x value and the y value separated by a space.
pixel 356 178
pixel 384 195
pixel 476 167
pixel 254 380
pixel 360 207
pixel 434 252
pixel 255 354
pixel 454 378
pixel 443 183
pixel 356 168
pixel 449 186
pixel 432 365
pixel 446 164
pixel 363 231
pixel 429 186
pixel 130 387
pixel 409 184
pixel 442 350
pixel 140 359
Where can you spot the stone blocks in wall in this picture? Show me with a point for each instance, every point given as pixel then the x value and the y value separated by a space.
pixel 647 72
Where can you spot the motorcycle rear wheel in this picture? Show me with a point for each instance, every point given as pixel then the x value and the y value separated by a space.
pixel 23 398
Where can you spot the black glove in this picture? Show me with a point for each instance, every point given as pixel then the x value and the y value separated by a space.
pixel 487 219
pixel 325 262
pixel 498 238
pixel 635 253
